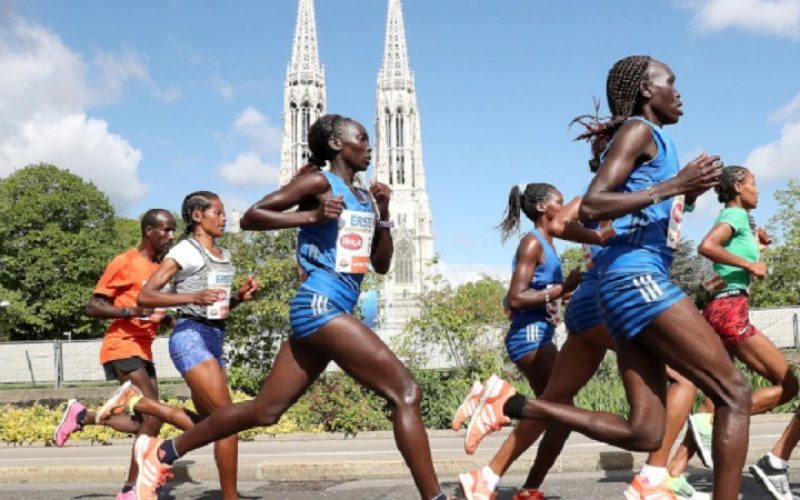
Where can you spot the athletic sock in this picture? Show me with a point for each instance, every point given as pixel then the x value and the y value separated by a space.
pixel 440 496
pixel 777 462
pixel 514 405
pixel 489 477
pixel 81 417
pixel 167 453
pixel 654 475
pixel 126 488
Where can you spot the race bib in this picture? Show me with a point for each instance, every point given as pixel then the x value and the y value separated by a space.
pixel 675 219
pixel 221 282
pixel 354 241
pixel 709 278
pixel 553 310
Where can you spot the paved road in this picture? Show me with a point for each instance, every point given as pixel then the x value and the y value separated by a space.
pixel 565 486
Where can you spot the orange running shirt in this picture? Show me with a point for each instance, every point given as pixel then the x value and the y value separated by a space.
pixel 122 280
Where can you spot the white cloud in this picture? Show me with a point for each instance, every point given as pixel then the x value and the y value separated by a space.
pixel 264 137
pixel 82 145
pixel 46 89
pixel 225 89
pixel 779 159
pixel 772 17
pixel 458 274
pixel 247 169
pixel 787 113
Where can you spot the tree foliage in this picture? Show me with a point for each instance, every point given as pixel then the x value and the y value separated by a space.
pixel 781 286
pixel 465 323
pixel 56 237
pixel 685 272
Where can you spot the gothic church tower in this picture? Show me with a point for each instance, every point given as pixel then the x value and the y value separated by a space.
pixel 303 93
pixel 398 145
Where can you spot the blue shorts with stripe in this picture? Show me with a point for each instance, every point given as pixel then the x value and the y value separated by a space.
pixel 582 312
pixel 528 338
pixel 312 309
pixel 630 300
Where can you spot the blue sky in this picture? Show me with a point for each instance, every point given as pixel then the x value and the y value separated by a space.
pixel 154 99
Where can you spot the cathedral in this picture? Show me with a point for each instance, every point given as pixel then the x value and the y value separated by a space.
pixel 397 154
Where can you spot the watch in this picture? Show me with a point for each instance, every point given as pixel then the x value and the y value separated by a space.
pixel 386 224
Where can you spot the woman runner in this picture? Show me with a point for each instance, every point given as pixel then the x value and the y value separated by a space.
pixel 342 231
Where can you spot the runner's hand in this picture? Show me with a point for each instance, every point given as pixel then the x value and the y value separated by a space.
pixel 206 297
pixel 329 209
pixel 758 269
pixel 764 239
pixel 382 194
pixel 572 281
pixel 142 312
pixel 249 287
pixel 699 175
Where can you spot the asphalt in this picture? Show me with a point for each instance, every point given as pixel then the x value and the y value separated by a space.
pixel 332 457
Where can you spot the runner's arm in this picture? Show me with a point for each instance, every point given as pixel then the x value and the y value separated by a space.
pixel 565 225
pixel 271 212
pixel 711 248
pixel 101 307
pixel 152 296
pixel 520 295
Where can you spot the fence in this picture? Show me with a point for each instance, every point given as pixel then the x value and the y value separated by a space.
pixel 56 362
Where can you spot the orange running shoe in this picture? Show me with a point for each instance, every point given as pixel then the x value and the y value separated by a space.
pixel 467 407
pixel 641 489
pixel 528 494
pixel 488 416
pixel 153 473
pixel 118 402
pixel 474 486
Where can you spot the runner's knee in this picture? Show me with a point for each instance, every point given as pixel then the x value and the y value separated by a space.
pixel 789 388
pixel 408 394
pixel 734 393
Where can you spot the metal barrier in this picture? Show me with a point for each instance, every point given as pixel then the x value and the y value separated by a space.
pixel 55 362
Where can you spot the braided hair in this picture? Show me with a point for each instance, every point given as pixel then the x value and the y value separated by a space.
pixel 726 189
pixel 198 200
pixel 524 197
pixel 623 93
pixel 319 135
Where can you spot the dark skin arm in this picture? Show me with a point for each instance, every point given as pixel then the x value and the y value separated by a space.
pixel 711 247
pixel 565 226
pixel 382 244
pixel 102 307
pixel 152 296
pixel 632 146
pixel 529 255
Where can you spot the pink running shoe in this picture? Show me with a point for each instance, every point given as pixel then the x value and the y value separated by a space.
pixel 474 486
pixel 128 495
pixel 467 407
pixel 528 494
pixel 153 473
pixel 118 402
pixel 488 416
pixel 69 422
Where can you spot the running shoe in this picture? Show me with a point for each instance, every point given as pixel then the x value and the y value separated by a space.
pixel 474 486
pixel 153 473
pixel 68 423
pixel 641 489
pixel 118 402
pixel 702 428
pixel 488 416
pixel 685 491
pixel 774 480
pixel 528 494
pixel 467 407
pixel 128 495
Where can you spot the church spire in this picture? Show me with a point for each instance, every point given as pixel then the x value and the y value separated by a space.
pixel 303 92
pixel 395 68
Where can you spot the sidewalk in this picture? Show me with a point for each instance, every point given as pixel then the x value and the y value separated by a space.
pixel 332 457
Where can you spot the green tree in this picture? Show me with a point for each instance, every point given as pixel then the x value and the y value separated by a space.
pixel 781 286
pixel 256 328
pixel 466 323
pixel 572 258
pixel 685 272
pixel 56 237
pixel 127 233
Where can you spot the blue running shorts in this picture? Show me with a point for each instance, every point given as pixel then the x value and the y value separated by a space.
pixel 582 312
pixel 629 301
pixel 521 341
pixel 310 310
pixel 193 342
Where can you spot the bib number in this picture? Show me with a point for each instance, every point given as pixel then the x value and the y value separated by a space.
pixel 221 282
pixel 354 241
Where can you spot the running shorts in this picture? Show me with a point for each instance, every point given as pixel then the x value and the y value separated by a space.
pixel 193 342
pixel 730 318
pixel 582 312
pixel 521 341
pixel 310 310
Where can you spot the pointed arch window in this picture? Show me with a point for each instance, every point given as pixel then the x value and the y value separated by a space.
pixel 293 117
pixel 404 262
pixel 305 120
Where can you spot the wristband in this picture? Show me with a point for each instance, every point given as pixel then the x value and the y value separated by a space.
pixel 385 224
pixel 654 196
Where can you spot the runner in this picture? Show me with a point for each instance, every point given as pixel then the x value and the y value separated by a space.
pixel 203 279
pixel 733 246
pixel 533 298
pixel 652 322
pixel 126 349
pixel 341 233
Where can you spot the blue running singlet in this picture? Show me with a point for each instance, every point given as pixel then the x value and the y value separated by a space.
pixel 335 256
pixel 532 328
pixel 634 267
